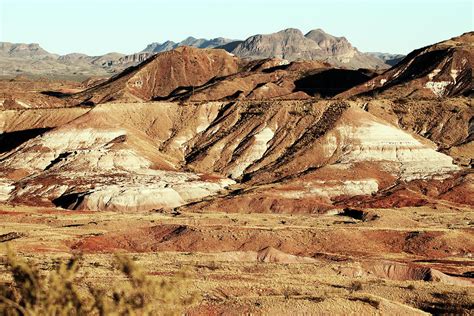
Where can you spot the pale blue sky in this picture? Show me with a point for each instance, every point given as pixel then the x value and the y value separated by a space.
pixel 100 26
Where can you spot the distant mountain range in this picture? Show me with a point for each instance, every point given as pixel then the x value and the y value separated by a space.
pixel 389 59
pixel 290 44
pixel 190 41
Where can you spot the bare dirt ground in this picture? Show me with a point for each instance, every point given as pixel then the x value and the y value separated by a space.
pixel 270 263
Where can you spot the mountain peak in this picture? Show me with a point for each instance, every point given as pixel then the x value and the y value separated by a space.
pixel 292 45
pixel 24 50
pixel 150 47
pixel 291 31
pixel 318 30
pixel 320 34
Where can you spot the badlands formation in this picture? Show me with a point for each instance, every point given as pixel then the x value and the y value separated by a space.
pixel 286 185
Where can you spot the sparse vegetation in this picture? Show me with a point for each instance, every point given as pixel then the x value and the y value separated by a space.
pixel 63 291
pixel 356 286
pixel 452 303
pixel 411 287
pixel 289 292
pixel 369 300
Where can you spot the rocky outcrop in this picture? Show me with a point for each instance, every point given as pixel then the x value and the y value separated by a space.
pixel 286 44
pixel 446 121
pixel 328 136
pixel 291 44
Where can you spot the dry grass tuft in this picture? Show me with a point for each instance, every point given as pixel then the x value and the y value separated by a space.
pixel 366 299
pixel 63 292
pixel 356 286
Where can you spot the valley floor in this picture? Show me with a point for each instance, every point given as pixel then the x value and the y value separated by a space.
pixel 399 261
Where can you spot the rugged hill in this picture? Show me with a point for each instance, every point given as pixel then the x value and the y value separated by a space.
pixel 162 74
pixel 447 122
pixel 24 50
pixel 166 154
pixel 32 60
pixel 159 47
pixel 440 70
pixel 165 77
pixel 291 44
pixel 188 73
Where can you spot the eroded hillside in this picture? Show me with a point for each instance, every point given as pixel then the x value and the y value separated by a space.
pixel 142 156
pixel 356 192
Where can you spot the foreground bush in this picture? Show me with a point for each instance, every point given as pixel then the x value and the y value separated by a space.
pixel 62 292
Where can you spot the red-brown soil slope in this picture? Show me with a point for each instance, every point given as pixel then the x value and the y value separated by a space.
pixel 161 74
pixel 440 70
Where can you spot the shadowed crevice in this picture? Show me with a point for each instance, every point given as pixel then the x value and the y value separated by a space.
pixel 11 140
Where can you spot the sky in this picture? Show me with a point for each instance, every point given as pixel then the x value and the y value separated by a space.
pixel 97 27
